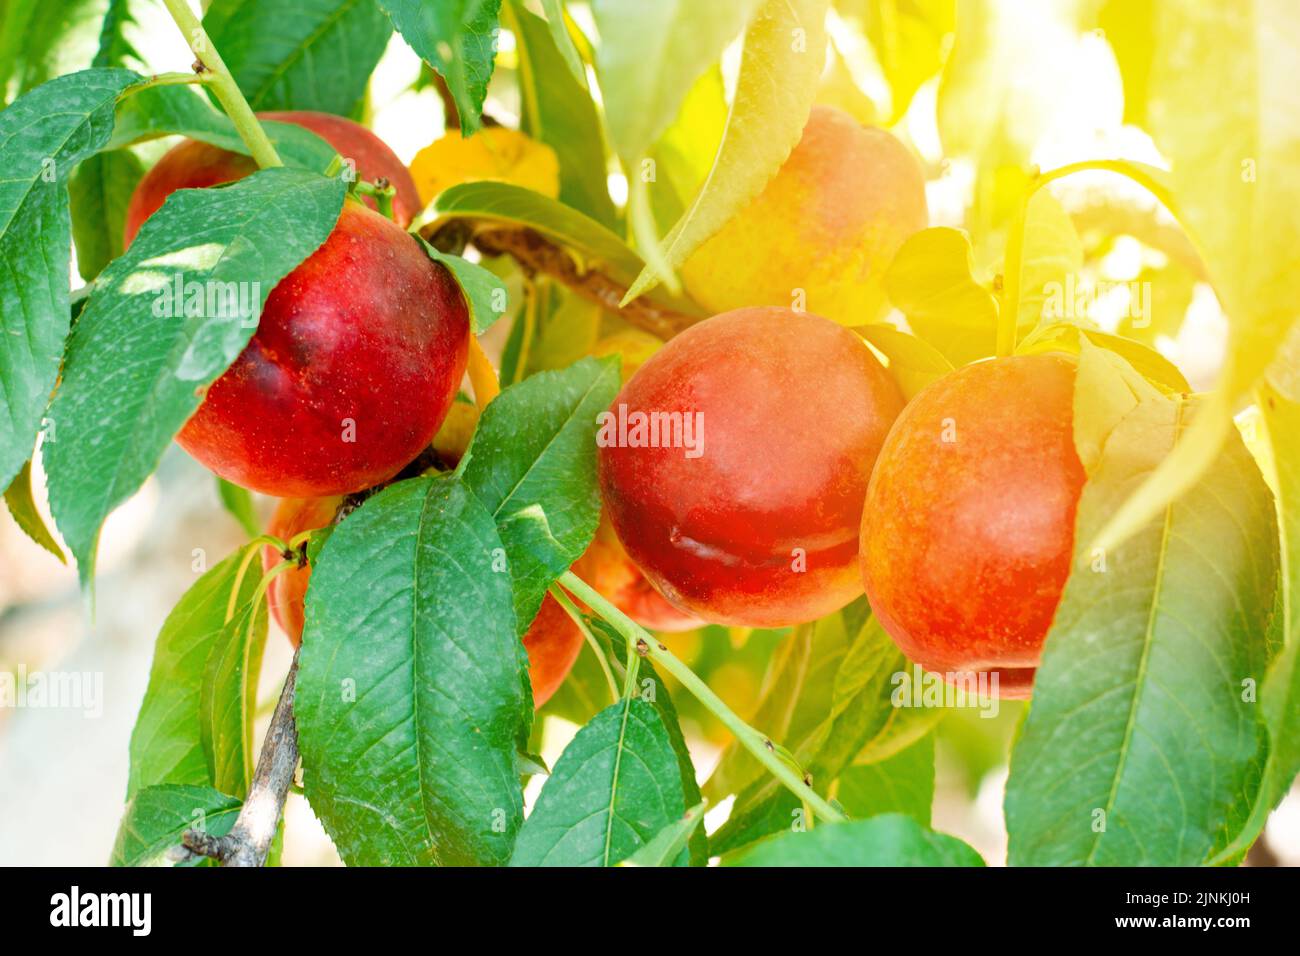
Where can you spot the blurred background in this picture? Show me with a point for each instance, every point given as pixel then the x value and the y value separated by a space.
pixel 63 772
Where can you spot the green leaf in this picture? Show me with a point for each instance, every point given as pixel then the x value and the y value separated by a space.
pixel 684 155
pixel 908 37
pixel 100 190
pixel 102 184
pixel 22 506
pixel 157 817
pixel 167 744
pixel 40 41
pixel 669 842
pixel 484 292
pixel 932 282
pixel 126 27
pixel 43 135
pixel 228 697
pixel 558 111
pixel 182 110
pixel 649 56
pixel 532 463
pixel 413 697
pixel 555 22
pixel 1155 651
pixel 1071 337
pixel 1236 192
pixel 239 503
pixel 903 783
pixel 1281 691
pixel 912 361
pixel 1170 290
pixel 796 693
pixel 654 691
pixel 613 789
pixel 299 54
pixel 844 706
pixel 1232 169
pixel 133 373
pixel 774 92
pixel 889 840
pixel 458 39
pixel 567 330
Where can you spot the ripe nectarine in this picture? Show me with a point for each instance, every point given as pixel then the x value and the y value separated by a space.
pixel 828 224
pixel 968 530
pixel 195 165
pixel 744 509
pixel 356 360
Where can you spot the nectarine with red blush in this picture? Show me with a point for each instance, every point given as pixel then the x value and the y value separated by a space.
pixel 607 568
pixel 553 643
pixel 194 165
pixel 288 590
pixel 356 359
pixel 968 530
pixel 734 465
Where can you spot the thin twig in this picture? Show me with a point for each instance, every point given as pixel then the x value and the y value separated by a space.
pixel 249 840
pixel 537 254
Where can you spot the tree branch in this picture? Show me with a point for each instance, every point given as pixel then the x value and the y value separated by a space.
pixel 537 254
pixel 249 840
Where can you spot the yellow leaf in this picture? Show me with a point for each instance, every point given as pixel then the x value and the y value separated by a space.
pixel 913 362
pixel 1106 388
pixel 1236 184
pixel 493 153
pixel 932 282
pixel 785 49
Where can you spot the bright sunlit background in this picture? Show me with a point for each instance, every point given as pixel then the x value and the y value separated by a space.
pixel 63 774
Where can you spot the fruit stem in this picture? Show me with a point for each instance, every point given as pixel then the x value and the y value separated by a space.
pixel 571 609
pixel 645 644
pixel 482 375
pixel 218 76
pixel 170 79
pixel 1013 265
pixel 383 196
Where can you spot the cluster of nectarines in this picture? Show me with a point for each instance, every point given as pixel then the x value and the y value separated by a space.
pixel 772 471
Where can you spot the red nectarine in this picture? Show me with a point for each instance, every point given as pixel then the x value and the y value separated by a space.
pixel 734 465
pixel 968 530
pixel 356 360
pixel 194 165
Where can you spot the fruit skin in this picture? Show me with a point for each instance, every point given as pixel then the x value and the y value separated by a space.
pixel 605 564
pixel 794 410
pixel 288 590
pixel 368 330
pixel 607 568
pixel 553 641
pixel 828 223
pixel 196 165
pixel 967 544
